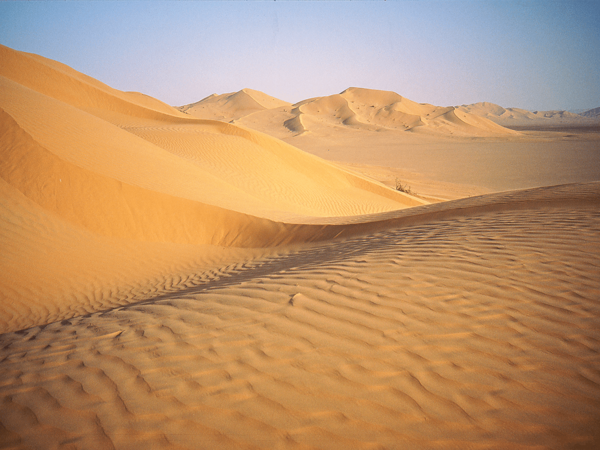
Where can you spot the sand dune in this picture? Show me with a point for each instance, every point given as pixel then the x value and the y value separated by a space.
pixel 169 281
pixel 441 152
pixel 106 140
pixel 233 106
pixel 521 117
pixel 364 109
pixel 103 164
pixel 444 155
pixel 370 109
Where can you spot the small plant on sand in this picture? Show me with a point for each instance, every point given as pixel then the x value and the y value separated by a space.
pixel 403 187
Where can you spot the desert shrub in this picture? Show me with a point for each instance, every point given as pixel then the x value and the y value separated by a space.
pixel 403 187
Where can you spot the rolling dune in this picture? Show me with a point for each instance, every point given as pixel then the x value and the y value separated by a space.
pixel 356 108
pixel 374 110
pixel 169 281
pixel 517 117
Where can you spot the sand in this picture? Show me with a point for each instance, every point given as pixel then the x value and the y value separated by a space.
pixel 523 119
pixel 440 152
pixel 169 281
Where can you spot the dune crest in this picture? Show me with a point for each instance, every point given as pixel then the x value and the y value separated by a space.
pixel 376 110
pixel 63 83
pixel 232 106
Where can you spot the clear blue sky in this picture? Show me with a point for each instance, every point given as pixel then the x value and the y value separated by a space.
pixel 531 54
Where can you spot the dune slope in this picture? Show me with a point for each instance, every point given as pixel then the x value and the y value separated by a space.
pixel 371 109
pixel 122 171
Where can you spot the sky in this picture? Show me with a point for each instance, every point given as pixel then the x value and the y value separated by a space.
pixel 536 55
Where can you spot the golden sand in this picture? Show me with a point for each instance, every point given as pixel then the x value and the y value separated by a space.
pixel 172 281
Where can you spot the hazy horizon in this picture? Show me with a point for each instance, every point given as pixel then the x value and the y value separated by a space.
pixel 532 55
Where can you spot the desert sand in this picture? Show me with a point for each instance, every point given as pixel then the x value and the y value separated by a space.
pixel 441 152
pixel 238 273
pixel 523 119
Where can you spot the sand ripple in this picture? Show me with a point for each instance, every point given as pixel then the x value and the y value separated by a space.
pixel 478 331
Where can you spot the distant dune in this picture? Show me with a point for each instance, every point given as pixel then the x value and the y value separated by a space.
pixel 441 152
pixel 233 106
pixel 593 113
pixel 364 109
pixel 170 281
pixel 372 110
pixel 522 117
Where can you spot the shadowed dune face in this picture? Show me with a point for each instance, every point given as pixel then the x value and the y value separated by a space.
pixel 172 282
pixel 594 113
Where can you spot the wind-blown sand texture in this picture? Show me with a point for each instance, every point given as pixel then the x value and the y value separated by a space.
pixel 172 282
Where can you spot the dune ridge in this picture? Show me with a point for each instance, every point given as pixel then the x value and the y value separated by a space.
pixel 382 109
pixel 69 295
pixel 63 83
